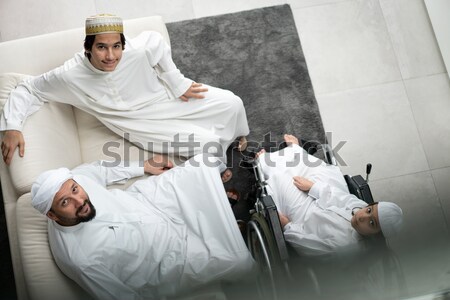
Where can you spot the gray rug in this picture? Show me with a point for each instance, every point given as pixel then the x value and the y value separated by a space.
pixel 256 54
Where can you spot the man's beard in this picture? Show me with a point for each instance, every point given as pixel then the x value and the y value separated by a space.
pixel 78 219
pixel 90 216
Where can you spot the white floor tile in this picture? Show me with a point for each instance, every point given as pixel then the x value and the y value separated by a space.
pixel 378 126
pixel 430 102
pixel 412 37
pixel 423 214
pixel 423 247
pixel 346 45
pixel 309 3
pixel 204 8
pixel 171 11
pixel 20 18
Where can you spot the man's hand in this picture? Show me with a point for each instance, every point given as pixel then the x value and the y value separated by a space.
pixel 11 140
pixel 283 220
pixel 157 164
pixel 195 91
pixel 302 183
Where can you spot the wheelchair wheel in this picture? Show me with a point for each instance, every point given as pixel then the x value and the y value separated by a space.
pixel 264 250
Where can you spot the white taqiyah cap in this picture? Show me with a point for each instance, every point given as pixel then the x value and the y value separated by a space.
pixel 103 23
pixel 46 186
pixel 390 217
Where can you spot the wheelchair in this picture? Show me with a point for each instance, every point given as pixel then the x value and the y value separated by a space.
pixel 265 238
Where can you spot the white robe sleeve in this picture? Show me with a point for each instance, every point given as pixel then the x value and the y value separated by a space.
pixel 159 55
pixel 98 281
pixel 20 104
pixel 106 173
pixel 327 196
pixel 306 243
pixel 31 94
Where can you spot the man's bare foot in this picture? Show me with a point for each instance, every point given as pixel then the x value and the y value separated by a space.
pixel 290 139
pixel 242 145
pixel 261 152
pixel 226 175
pixel 233 194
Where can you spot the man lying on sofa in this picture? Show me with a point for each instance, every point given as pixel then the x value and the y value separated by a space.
pixel 160 236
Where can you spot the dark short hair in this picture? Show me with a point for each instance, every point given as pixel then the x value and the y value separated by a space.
pixel 89 42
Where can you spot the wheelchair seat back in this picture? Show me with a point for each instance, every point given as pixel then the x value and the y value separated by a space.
pixel 359 187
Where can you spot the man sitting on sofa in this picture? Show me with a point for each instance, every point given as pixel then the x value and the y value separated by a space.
pixel 160 236
pixel 138 93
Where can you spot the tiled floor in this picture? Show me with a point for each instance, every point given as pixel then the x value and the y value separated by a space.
pixel 381 86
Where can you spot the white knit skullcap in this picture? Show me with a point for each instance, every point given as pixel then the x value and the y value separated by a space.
pixel 390 217
pixel 103 23
pixel 46 186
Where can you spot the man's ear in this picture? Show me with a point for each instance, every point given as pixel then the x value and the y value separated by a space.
pixel 52 216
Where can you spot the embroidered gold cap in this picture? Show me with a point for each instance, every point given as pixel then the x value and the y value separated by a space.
pixel 103 23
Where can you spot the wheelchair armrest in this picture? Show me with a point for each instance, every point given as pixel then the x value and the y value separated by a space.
pixel 278 234
pixel 273 220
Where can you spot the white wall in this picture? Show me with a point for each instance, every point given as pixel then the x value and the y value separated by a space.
pixel 439 12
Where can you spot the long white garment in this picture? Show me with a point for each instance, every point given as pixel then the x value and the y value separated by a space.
pixel 139 100
pixel 163 235
pixel 320 219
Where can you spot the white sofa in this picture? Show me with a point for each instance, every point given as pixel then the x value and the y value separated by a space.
pixel 57 135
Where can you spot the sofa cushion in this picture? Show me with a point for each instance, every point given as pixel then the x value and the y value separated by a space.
pixel 98 142
pixel 51 140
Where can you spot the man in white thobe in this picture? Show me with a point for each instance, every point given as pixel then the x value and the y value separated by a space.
pixel 137 93
pixel 317 212
pixel 163 235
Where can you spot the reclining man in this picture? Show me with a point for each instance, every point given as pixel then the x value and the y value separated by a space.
pixel 317 212
pixel 136 91
pixel 161 236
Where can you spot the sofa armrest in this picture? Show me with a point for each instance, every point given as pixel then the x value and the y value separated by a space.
pixel 51 140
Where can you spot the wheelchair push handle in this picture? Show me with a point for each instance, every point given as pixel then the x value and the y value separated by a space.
pixel 368 170
pixel 259 174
